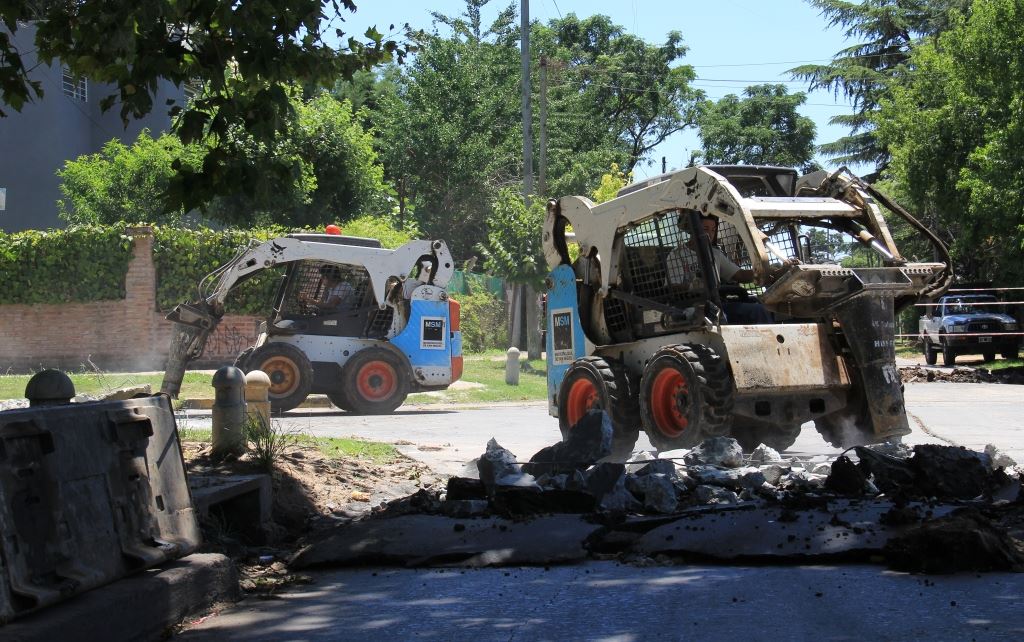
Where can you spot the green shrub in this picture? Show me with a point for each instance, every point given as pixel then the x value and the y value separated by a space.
pixel 483 322
pixel 82 263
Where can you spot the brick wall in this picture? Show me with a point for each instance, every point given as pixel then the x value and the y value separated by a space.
pixel 130 334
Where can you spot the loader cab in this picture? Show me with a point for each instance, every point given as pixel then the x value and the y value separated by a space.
pixel 356 315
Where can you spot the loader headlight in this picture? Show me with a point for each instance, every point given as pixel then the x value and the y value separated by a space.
pixel 1010 327
pixel 958 328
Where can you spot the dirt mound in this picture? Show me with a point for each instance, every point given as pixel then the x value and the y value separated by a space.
pixel 312 490
pixel 921 374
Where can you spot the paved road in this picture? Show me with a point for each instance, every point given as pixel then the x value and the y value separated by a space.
pixel 607 601
pixel 972 415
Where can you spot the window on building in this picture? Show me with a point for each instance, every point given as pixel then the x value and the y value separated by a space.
pixel 75 87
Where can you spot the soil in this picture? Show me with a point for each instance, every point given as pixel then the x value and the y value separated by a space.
pixel 919 374
pixel 311 492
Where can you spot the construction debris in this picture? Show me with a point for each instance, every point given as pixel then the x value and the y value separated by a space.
pixel 962 374
pixel 915 509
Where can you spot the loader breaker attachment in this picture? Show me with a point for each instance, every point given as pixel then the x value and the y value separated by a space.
pixel 193 324
pixel 867 318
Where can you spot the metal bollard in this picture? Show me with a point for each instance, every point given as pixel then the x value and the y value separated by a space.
pixel 512 366
pixel 257 397
pixel 229 412
pixel 49 388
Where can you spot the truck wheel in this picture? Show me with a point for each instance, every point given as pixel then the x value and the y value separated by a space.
pixel 777 437
pixel 948 356
pixel 930 356
pixel 685 396
pixel 989 356
pixel 376 381
pixel 290 372
pixel 340 399
pixel 593 382
pixel 1011 354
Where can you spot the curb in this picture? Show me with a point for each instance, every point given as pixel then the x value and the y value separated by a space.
pixel 312 401
pixel 141 607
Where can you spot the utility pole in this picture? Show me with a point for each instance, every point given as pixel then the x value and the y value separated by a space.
pixel 542 187
pixel 663 166
pixel 524 11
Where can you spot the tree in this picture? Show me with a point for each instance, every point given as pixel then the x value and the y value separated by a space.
pixel 611 183
pixel 513 250
pixel 763 128
pixel 448 125
pixel 245 53
pixel 614 97
pixel 124 182
pixel 337 177
pixel 885 31
pixel 955 128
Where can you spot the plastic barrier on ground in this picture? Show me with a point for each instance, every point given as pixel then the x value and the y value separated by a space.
pixel 89 493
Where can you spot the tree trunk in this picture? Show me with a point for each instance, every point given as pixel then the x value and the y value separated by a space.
pixel 533 347
pixel 515 336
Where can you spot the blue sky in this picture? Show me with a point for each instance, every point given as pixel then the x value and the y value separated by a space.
pixel 733 44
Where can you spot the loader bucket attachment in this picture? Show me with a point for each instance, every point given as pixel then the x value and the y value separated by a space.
pixel 193 324
pixel 868 321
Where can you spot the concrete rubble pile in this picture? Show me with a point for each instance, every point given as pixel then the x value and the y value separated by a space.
pixel 961 374
pixel 929 509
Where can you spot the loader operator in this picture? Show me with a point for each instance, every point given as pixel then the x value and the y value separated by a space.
pixel 336 292
pixel 682 261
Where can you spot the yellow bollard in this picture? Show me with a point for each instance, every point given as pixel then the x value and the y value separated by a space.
pixel 257 396
pixel 512 366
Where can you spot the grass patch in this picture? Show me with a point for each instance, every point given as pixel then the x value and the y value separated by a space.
pixel 195 385
pixel 488 370
pixel 332 447
pixel 908 349
pixel 1002 364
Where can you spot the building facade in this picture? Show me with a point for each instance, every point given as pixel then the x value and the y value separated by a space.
pixel 64 124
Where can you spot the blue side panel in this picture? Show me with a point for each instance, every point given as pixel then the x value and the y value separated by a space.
pixel 425 340
pixel 565 340
pixel 456 343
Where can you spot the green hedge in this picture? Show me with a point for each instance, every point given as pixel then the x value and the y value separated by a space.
pixel 79 264
pixel 183 257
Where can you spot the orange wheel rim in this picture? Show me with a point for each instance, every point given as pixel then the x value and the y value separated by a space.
pixel 377 381
pixel 670 402
pixel 284 375
pixel 582 397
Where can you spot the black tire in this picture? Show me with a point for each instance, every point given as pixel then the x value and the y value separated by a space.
pixel 989 356
pixel 593 382
pixel 686 395
pixel 290 372
pixel 930 356
pixel 948 356
pixel 375 381
pixel 778 437
pixel 340 399
pixel 1013 353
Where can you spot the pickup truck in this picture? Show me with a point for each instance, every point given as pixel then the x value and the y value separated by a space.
pixel 968 324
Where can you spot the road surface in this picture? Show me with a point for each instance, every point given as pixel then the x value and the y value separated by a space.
pixel 609 601
pixel 447 439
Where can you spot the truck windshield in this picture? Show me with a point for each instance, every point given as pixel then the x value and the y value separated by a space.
pixel 972 305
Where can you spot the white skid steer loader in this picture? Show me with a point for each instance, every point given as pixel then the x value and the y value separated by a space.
pixel 363 324
pixel 641 323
